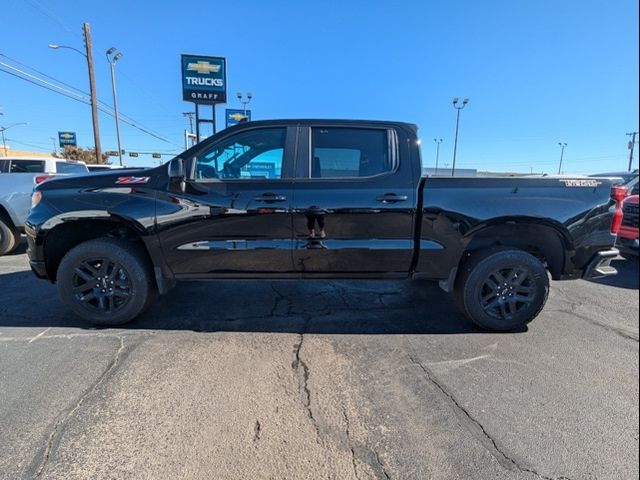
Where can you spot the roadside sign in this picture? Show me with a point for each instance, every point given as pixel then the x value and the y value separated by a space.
pixel 156 155
pixel 235 116
pixel 133 154
pixel 112 153
pixel 67 139
pixel 204 79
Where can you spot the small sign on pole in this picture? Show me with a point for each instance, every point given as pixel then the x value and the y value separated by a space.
pixel 235 116
pixel 67 139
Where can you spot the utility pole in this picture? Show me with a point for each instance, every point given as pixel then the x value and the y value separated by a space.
pixel 562 146
pixel 455 143
pixel 438 142
pixel 55 146
pixel 632 144
pixel 92 91
pixel 189 115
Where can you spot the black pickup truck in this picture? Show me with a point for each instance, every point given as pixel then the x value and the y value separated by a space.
pixel 317 199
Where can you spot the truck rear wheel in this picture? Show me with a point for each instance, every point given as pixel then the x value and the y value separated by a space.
pixel 106 281
pixel 502 289
pixel 9 237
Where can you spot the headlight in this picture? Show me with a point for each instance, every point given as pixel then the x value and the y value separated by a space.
pixel 35 198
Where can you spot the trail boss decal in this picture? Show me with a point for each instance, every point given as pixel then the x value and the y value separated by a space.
pixel 581 183
pixel 132 180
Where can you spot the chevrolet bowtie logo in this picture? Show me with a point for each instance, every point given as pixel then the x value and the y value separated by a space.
pixel 203 67
pixel 66 135
pixel 237 116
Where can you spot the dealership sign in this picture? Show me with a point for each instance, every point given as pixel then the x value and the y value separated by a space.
pixel 67 139
pixel 204 79
pixel 234 117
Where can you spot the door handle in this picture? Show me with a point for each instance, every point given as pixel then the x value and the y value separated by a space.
pixel 391 198
pixel 270 198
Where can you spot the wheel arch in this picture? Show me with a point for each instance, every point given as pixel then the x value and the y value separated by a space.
pixel 68 234
pixel 548 241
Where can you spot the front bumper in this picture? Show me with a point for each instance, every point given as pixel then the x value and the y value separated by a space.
pixel 600 265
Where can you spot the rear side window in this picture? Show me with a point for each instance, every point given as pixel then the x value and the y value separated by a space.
pixel 338 152
pixel 64 167
pixel 26 166
pixel 4 166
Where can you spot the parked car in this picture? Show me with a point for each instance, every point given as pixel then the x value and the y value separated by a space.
pixel 317 199
pixel 628 232
pixel 18 176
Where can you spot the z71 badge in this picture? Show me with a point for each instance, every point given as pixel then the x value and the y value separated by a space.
pixel 132 180
pixel 581 183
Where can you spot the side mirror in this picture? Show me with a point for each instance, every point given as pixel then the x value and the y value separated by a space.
pixel 176 175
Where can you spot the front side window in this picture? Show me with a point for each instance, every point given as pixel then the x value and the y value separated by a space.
pixel 253 154
pixel 349 152
pixel 27 166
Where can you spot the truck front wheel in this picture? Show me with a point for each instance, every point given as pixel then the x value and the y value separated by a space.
pixel 106 281
pixel 502 289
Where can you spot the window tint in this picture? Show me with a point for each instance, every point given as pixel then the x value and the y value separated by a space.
pixel 64 167
pixel 349 152
pixel 252 154
pixel 4 166
pixel 27 166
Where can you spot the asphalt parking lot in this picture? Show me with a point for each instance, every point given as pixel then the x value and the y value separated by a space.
pixel 342 380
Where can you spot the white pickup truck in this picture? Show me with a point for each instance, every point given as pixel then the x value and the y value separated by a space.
pixel 18 177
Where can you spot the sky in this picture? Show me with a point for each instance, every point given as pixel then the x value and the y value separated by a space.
pixel 536 72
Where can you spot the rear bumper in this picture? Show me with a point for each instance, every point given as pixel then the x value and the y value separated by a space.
pixel 600 265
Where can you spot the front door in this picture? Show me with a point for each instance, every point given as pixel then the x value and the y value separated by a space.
pixel 234 218
pixel 353 202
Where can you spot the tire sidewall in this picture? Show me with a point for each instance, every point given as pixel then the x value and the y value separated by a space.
pixel 499 260
pixel 125 254
pixel 7 238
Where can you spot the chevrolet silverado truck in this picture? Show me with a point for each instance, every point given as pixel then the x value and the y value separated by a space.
pixel 317 199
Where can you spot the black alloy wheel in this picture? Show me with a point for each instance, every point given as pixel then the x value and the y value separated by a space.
pixel 101 285
pixel 506 292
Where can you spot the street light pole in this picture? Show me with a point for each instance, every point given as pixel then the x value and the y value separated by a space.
pixel 438 142
pixel 455 142
pixel 88 55
pixel 4 141
pixel 632 144
pixel 112 62
pixel 244 102
pixel 562 146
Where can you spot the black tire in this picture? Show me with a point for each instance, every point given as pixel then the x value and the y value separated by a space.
pixel 9 237
pixel 502 289
pixel 106 281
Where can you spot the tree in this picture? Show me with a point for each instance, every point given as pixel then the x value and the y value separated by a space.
pixel 87 155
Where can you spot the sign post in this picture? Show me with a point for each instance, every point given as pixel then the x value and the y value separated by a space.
pixel 67 139
pixel 235 116
pixel 204 82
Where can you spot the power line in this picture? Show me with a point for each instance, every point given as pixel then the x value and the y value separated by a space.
pixel 50 15
pixel 80 98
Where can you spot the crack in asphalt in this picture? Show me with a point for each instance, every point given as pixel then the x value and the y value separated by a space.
pixel 382 467
pixel 59 426
pixel 618 331
pixel 301 369
pixel 473 424
pixel 351 448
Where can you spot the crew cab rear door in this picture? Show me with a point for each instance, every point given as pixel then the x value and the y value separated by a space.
pixel 234 217
pixel 354 200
